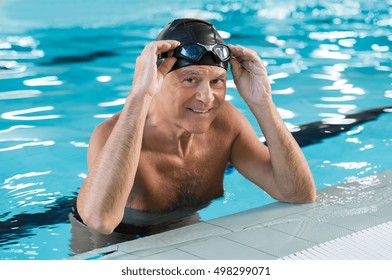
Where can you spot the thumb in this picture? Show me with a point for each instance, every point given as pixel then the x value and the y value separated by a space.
pixel 167 65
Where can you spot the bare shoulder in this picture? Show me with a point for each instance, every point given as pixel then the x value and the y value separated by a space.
pixel 99 136
pixel 103 130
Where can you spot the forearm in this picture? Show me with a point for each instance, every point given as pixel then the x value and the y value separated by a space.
pixel 104 193
pixel 292 177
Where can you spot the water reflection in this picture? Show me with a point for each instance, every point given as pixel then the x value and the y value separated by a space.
pixel 11 68
pixel 15 127
pixel 330 54
pixel 341 108
pixel 34 54
pixel 351 165
pixel 117 102
pixel 103 116
pixel 16 115
pixel 378 48
pixel 79 144
pixel 24 192
pixel 283 91
pixel 338 99
pixel 43 81
pixel 348 43
pixel 332 35
pixel 104 79
pixel 29 144
pixel 16 94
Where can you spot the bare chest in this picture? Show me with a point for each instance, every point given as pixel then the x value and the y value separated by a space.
pixel 167 182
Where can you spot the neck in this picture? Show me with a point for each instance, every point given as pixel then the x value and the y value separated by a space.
pixel 165 135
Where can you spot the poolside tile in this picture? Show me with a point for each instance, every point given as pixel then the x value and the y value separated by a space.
pixel 172 237
pixel 375 198
pixel 174 254
pixel 255 216
pixel 271 231
pixel 119 256
pixel 218 248
pixel 270 241
pixel 385 178
pixel 359 192
pixel 96 253
pixel 309 229
pixel 353 219
pixel 384 211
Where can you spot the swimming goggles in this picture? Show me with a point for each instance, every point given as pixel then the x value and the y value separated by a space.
pixel 195 52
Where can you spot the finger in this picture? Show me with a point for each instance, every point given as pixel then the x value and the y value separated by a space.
pixel 167 65
pixel 256 68
pixel 244 54
pixel 236 68
pixel 163 46
pixel 249 60
pixel 235 50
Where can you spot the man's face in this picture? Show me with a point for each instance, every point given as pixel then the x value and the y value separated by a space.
pixel 193 96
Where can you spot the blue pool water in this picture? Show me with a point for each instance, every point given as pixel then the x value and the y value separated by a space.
pixel 65 66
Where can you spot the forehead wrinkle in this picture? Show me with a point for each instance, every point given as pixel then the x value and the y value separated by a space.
pixel 191 72
pixel 222 76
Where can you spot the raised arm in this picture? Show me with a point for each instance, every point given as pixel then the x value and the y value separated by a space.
pixel 281 169
pixel 114 154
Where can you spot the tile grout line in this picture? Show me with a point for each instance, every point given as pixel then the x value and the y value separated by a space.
pixel 249 246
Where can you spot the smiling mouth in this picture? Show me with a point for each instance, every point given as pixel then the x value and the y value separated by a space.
pixel 199 111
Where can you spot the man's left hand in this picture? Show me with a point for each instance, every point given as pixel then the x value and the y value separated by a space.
pixel 250 75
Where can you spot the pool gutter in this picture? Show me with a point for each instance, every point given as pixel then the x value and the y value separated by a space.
pixel 274 231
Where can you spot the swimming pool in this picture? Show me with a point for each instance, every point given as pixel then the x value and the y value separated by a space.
pixel 67 66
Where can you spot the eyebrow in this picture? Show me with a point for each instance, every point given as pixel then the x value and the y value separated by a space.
pixel 191 72
pixel 198 73
pixel 222 76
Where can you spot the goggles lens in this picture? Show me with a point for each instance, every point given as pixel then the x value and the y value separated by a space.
pixel 192 52
pixel 222 51
pixel 196 51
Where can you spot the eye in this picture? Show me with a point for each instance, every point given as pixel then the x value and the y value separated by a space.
pixel 218 81
pixel 190 80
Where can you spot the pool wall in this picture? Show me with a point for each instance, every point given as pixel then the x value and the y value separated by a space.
pixel 273 231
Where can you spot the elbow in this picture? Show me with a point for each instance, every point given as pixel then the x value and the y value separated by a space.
pixel 98 222
pixel 99 225
pixel 305 194
pixel 306 197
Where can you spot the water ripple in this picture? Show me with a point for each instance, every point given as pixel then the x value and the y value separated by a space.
pixel 16 94
pixel 11 54
pixel 117 102
pixel 30 144
pixel 25 175
pixel 11 67
pixel 15 127
pixel 15 115
pixel 44 81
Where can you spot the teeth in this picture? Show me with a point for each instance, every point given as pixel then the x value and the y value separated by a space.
pixel 199 111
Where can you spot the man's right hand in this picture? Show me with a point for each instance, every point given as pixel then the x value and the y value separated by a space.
pixel 148 77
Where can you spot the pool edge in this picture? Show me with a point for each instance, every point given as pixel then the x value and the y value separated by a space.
pixel 272 231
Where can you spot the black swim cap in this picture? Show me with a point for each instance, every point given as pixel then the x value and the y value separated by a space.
pixel 193 31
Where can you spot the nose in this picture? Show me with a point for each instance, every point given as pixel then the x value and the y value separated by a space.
pixel 205 93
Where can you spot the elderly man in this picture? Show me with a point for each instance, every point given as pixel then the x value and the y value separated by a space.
pixel 165 154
